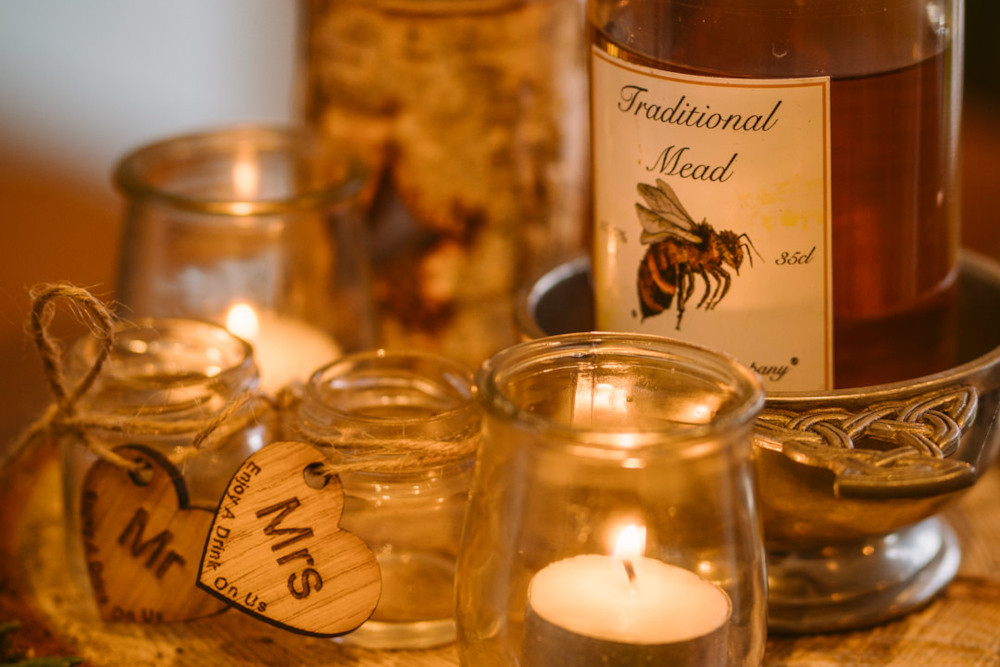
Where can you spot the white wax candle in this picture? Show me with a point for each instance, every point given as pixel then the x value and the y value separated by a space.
pixel 286 350
pixel 591 595
pixel 586 610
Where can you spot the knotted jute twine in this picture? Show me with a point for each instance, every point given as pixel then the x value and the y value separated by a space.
pixel 360 452
pixel 358 446
pixel 63 416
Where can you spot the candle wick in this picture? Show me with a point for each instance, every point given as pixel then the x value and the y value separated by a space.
pixel 629 570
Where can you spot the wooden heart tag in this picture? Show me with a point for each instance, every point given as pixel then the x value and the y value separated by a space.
pixel 276 550
pixel 142 541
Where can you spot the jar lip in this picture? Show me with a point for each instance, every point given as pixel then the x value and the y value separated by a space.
pixel 453 374
pixel 241 366
pixel 130 172
pixel 747 394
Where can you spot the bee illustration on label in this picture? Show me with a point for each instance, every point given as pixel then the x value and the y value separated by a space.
pixel 681 249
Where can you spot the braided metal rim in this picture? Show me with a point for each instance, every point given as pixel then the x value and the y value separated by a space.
pixel 892 449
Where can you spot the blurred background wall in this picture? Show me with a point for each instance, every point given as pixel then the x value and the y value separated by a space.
pixel 82 82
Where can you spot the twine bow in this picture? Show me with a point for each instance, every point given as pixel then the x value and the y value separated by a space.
pixel 58 418
pixel 62 416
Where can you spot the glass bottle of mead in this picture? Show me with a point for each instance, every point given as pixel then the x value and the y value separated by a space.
pixel 777 179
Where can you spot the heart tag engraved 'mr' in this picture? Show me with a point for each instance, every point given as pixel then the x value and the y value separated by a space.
pixel 276 550
pixel 142 541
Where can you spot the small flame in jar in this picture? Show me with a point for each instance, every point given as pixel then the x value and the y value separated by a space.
pixel 631 542
pixel 630 547
pixel 246 183
pixel 242 321
pixel 246 178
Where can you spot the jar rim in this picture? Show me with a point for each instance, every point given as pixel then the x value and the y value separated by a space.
pixel 454 375
pixel 745 389
pixel 131 174
pixel 240 367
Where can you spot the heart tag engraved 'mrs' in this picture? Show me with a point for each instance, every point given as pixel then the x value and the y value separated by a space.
pixel 276 550
pixel 142 541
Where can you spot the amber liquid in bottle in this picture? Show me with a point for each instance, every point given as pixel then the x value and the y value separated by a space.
pixel 893 136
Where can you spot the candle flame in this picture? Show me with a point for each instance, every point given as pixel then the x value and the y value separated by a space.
pixel 630 547
pixel 631 542
pixel 242 321
pixel 246 178
pixel 246 183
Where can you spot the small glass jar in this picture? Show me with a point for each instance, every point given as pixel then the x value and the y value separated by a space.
pixel 159 373
pixel 590 441
pixel 403 427
pixel 257 228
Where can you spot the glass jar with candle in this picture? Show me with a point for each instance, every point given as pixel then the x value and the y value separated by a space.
pixel 613 518
pixel 255 228
pixel 402 430
pixel 164 384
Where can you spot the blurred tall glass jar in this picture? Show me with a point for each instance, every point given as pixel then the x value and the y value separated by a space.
pixel 473 114
pixel 257 228
pixel 796 172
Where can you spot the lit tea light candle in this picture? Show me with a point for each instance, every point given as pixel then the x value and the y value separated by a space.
pixel 624 610
pixel 286 350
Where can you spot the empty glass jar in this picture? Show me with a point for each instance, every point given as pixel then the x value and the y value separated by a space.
pixel 613 518
pixel 402 429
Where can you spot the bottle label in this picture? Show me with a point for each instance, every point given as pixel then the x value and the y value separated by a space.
pixel 712 215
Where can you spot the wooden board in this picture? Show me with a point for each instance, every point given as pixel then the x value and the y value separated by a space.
pixel 959 629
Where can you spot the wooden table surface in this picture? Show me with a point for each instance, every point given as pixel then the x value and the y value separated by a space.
pixel 960 628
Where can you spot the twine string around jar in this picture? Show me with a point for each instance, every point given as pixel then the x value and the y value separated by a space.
pixel 63 417
pixel 393 455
